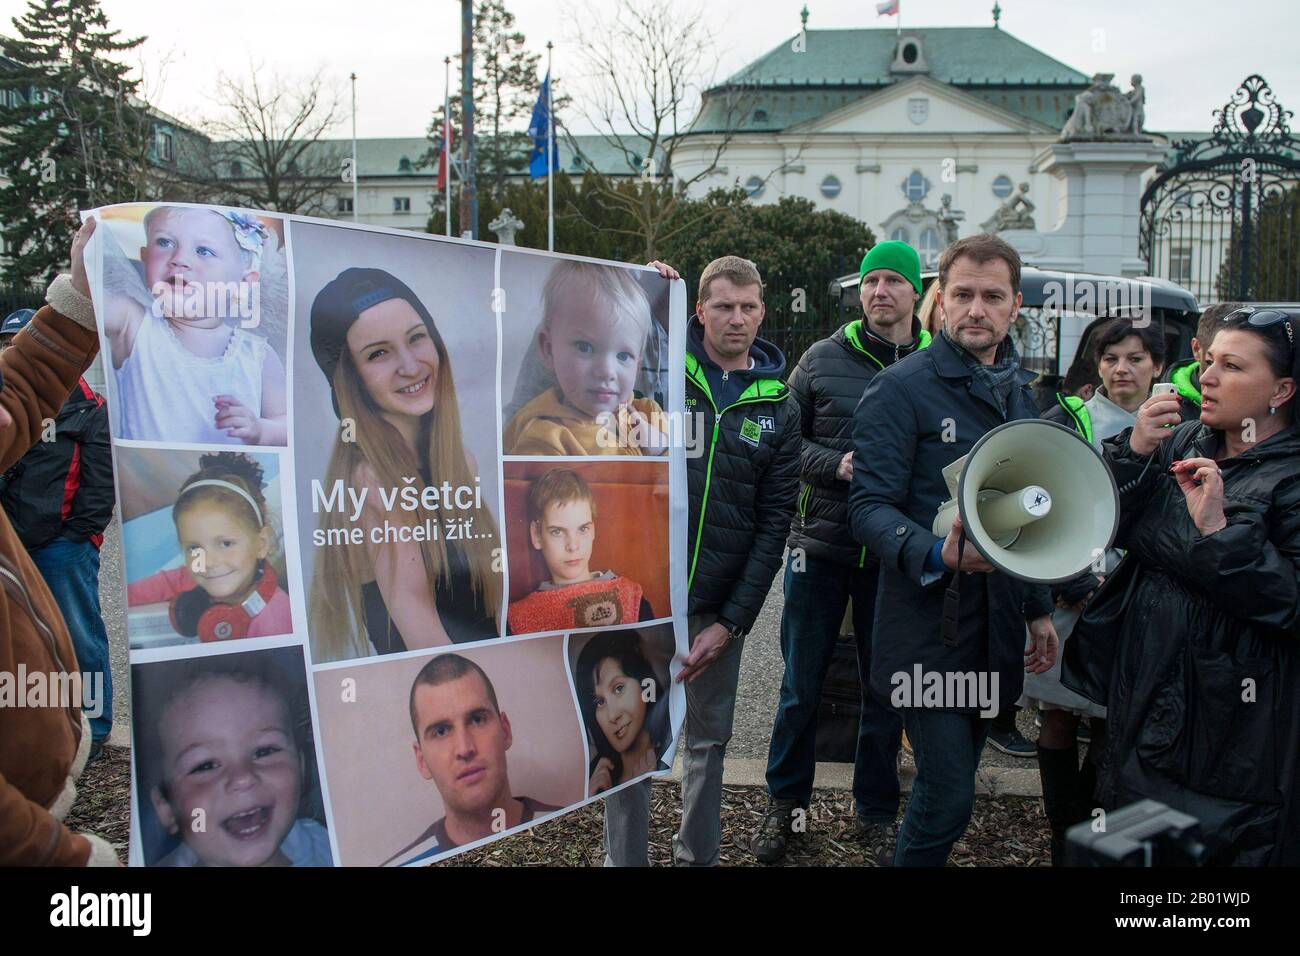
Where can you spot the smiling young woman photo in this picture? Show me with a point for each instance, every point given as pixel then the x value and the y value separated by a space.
pixel 391 379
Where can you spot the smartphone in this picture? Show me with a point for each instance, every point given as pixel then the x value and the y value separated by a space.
pixel 1164 388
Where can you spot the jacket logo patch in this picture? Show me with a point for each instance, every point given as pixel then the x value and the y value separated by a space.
pixel 750 431
pixel 766 423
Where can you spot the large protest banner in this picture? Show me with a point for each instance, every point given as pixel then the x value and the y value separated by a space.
pixel 403 532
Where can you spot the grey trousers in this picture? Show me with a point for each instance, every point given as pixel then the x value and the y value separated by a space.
pixel 710 706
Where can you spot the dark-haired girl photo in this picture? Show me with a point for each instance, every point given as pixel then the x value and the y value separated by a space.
pixel 390 378
pixel 621 679
pixel 204 551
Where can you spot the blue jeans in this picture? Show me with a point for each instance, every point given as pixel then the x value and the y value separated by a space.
pixel 71 571
pixel 815 599
pixel 947 749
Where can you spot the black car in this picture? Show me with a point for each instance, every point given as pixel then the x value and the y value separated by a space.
pixel 1060 310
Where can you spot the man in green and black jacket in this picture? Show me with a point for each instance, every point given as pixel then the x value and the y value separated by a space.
pixel 1186 375
pixel 742 479
pixel 827 567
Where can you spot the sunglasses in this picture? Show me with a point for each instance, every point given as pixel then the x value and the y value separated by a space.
pixel 1266 319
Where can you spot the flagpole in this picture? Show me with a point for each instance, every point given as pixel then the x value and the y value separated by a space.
pixel 446 132
pixel 355 171
pixel 550 155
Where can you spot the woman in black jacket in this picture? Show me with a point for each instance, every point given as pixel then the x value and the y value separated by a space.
pixel 1201 676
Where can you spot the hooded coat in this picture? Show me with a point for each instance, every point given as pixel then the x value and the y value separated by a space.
pixel 1200 672
pixel 743 477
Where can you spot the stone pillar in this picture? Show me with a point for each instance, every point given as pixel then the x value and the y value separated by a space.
pixel 1102 192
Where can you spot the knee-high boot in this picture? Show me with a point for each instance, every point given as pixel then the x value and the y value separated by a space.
pixel 1059 771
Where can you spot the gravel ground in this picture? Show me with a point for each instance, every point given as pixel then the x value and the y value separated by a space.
pixel 1004 831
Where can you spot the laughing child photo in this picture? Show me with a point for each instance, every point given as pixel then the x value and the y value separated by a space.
pixel 226 765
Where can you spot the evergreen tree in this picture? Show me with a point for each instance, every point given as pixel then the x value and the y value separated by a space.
pixel 506 85
pixel 72 134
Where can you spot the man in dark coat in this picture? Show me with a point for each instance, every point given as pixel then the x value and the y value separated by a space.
pixel 827 568
pixel 915 418
pixel 742 481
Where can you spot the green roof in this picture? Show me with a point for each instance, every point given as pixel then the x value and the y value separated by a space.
pixel 837 67
pixel 957 55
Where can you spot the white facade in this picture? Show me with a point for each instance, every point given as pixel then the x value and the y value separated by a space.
pixel 893 155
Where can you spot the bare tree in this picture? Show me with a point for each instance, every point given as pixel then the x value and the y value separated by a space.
pixel 647 68
pixel 268 149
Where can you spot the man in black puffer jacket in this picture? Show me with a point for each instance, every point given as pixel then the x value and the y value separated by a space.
pixel 827 567
pixel 742 478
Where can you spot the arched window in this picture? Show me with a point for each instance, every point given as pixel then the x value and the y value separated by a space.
pixel 929 247
pixel 404 165
pixel 901 235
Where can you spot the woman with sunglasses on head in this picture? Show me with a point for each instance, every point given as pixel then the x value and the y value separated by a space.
pixel 1194 648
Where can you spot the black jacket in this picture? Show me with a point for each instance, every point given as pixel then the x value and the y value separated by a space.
pixel 743 478
pixel 1201 675
pixel 899 453
pixel 64 487
pixel 828 383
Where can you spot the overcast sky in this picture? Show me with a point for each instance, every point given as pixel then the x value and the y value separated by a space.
pixel 1191 53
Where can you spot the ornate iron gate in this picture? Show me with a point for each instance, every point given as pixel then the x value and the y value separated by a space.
pixel 1222 216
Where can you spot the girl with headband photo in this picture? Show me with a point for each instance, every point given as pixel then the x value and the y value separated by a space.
pixel 187 367
pixel 390 377
pixel 227 588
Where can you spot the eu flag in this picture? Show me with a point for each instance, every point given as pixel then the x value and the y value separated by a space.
pixel 539 129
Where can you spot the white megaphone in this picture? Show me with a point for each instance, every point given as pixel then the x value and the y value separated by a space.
pixel 1035 499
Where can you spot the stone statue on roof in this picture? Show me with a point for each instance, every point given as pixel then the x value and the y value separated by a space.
pixel 1103 113
pixel 948 219
pixel 1016 212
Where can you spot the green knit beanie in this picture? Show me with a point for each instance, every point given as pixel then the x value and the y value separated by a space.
pixel 895 255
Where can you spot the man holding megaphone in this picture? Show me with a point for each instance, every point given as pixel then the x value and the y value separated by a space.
pixel 917 417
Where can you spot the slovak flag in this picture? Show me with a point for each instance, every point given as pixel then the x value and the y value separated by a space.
pixel 887 9
pixel 444 157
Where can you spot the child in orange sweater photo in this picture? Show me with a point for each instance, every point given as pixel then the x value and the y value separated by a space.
pixel 562 527
pixel 596 321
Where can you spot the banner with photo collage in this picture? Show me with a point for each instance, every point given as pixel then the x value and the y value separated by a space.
pixel 403 533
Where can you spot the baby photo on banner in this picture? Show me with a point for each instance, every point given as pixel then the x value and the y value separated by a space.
pixel 404 528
